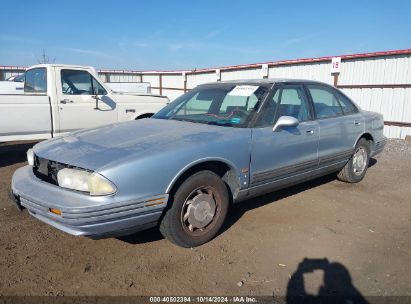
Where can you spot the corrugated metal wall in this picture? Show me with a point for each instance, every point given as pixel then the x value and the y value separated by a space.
pixel 378 82
pixel 394 104
pixel 314 71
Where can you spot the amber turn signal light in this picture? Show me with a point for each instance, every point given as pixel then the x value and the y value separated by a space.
pixel 55 211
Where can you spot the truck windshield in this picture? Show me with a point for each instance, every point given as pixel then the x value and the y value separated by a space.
pixel 230 105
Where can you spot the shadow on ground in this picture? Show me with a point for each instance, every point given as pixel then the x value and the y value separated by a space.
pixel 14 153
pixel 336 285
pixel 146 236
pixel 238 210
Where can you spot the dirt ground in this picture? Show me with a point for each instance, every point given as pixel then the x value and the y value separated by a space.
pixel 347 238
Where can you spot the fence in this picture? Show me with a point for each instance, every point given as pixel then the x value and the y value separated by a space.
pixel 379 81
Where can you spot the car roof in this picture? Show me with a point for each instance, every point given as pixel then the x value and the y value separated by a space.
pixel 266 81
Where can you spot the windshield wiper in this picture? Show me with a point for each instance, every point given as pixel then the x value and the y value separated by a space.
pixel 217 123
pixel 188 120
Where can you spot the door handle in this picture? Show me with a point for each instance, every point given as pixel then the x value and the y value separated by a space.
pixel 309 132
pixel 357 123
pixel 66 101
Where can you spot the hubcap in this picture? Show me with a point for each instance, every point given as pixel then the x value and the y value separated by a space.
pixel 199 210
pixel 360 160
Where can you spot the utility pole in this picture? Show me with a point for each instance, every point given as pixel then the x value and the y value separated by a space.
pixel 45 58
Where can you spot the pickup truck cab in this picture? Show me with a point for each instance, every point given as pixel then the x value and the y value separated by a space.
pixel 59 99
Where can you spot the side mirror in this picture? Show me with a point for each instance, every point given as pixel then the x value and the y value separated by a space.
pixel 97 99
pixel 285 121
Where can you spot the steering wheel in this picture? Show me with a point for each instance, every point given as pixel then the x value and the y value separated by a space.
pixel 68 90
pixel 240 112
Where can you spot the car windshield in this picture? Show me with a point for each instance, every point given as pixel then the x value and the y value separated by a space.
pixel 19 78
pixel 231 105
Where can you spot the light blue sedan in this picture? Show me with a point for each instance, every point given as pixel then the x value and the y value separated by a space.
pixel 218 144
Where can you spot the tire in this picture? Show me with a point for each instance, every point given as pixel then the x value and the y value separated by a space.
pixel 148 115
pixel 356 168
pixel 197 210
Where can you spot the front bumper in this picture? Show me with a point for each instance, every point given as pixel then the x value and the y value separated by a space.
pixel 81 214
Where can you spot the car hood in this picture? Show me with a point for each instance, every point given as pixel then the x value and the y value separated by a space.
pixel 97 148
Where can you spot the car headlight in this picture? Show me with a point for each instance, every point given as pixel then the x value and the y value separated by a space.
pixel 30 157
pixel 85 181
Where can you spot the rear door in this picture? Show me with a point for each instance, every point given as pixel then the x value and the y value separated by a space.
pixel 339 130
pixel 287 155
pixel 77 90
pixel 354 122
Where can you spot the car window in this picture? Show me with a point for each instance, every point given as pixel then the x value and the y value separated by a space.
pixel 240 102
pixel 229 105
pixel 347 106
pixel 36 81
pixel 200 103
pixel 197 104
pixel 293 103
pixel 98 88
pixel 286 101
pixel 19 78
pixel 75 82
pixel 325 102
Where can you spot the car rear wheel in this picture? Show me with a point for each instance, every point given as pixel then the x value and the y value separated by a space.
pixel 355 169
pixel 197 210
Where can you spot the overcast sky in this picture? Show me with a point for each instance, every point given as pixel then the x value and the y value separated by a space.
pixel 164 35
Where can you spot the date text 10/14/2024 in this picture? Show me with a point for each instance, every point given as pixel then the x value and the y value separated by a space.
pixel 203 299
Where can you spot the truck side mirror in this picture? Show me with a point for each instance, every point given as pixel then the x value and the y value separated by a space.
pixel 95 96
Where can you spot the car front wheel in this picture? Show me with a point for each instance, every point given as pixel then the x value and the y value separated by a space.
pixel 197 210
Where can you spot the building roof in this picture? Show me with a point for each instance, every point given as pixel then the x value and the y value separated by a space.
pixel 245 66
pixel 265 81
pixel 270 63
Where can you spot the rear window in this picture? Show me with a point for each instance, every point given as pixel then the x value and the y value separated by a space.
pixel 36 81
pixel 347 106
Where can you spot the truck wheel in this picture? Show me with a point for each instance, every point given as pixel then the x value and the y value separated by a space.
pixel 355 169
pixel 197 211
pixel 148 115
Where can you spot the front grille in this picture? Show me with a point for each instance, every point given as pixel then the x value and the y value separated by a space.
pixel 47 170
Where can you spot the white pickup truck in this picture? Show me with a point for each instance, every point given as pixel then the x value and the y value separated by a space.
pixel 62 98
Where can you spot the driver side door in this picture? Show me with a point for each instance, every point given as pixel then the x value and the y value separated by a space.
pixel 76 95
pixel 288 155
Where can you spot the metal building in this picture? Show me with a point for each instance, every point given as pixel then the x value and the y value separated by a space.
pixel 379 81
